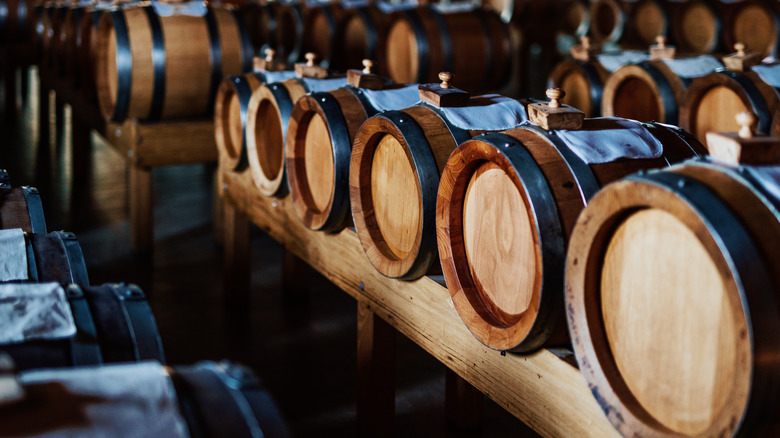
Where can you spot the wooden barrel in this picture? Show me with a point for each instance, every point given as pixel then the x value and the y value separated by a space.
pixel 86 43
pixel 319 30
pixel 754 23
pixel 268 114
pixel 422 42
pixel 21 207
pixel 318 149
pixel 52 22
pixel 649 90
pixel 671 297
pixel 207 399
pixel 56 257
pixel 397 157
pixel 357 36
pixel 260 21
pixel 114 323
pixel 573 24
pixel 583 82
pixel 14 16
pixel 289 32
pixel 645 20
pixel 507 203
pixel 607 21
pixel 712 101
pixel 142 74
pixel 696 26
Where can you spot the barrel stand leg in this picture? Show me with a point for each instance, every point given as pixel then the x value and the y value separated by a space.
pixel 217 210
pixel 464 404
pixel 236 273
pixel 141 209
pixel 376 374
pixel 24 83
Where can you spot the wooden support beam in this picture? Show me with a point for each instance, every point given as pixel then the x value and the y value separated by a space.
pixel 141 210
pixel 376 373
pixel 236 272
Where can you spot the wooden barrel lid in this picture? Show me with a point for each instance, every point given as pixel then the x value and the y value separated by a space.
pixel 607 20
pixel 265 140
pixel 755 24
pixel 633 92
pixel 583 82
pixel 228 129
pixel 656 294
pixel 402 44
pixel 647 20
pixel 696 27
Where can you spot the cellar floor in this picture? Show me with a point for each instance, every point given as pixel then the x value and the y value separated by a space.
pixel 301 345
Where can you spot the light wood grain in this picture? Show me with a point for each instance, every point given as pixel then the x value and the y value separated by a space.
pixel 631 92
pixel 755 25
pixel 540 389
pixel 695 27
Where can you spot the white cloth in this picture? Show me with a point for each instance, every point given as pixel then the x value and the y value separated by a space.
pixel 604 140
pixel 316 85
pixel 395 99
pixel 346 4
pixel 769 73
pixel 693 67
pixel 613 61
pixel 489 112
pixel 13 255
pixel 31 311
pixel 102 6
pixel 192 9
pixel 450 8
pixel 278 76
pixel 389 7
pixel 127 400
pixel 768 177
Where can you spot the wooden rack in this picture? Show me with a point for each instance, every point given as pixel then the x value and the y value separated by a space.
pixel 542 390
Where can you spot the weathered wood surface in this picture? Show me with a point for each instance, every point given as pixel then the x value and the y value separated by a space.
pixel 540 389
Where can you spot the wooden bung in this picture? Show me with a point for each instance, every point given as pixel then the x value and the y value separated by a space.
pixel 695 26
pixel 744 147
pixel 671 297
pixel 267 117
pixel 135 80
pixel 754 23
pixel 318 148
pixel 415 47
pixel 507 203
pixel 712 101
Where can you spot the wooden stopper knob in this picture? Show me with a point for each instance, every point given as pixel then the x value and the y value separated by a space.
pixel 310 57
pixel 745 120
pixel 585 42
pixel 660 41
pixel 445 77
pixel 367 64
pixel 555 94
pixel 269 54
pixel 740 48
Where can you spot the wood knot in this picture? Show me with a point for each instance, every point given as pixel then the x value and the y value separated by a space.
pixel 445 77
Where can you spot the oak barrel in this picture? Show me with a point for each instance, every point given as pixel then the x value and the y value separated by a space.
pixel 696 26
pixel 289 31
pixel 671 298
pixel 607 20
pixel 573 23
pixel 422 42
pixel 143 74
pixel 207 399
pixel 261 22
pixel 645 20
pixel 268 114
pixel 114 323
pixel 397 157
pixel 21 207
pixel 754 23
pixel 56 256
pixel 652 90
pixel 319 147
pixel 506 206
pixel 712 101
pixel 319 30
pixel 583 82
pixel 51 25
pixel 14 18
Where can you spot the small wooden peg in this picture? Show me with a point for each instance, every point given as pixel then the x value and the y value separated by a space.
pixel 585 50
pixel 364 78
pixel 367 64
pixel 269 54
pixel 309 69
pixel 268 63
pixel 744 147
pixel 443 94
pixel 553 114
pixel 741 60
pixel 660 50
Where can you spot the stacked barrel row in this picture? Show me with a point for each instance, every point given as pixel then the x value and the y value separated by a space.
pixel 694 26
pixel 100 342
pixel 468 187
pixel 700 93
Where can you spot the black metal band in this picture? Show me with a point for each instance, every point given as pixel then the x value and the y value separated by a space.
pixel 21 19
pixel 326 12
pixel 85 345
pixel 114 330
pixel 34 209
pixel 371 31
pixel 141 322
pixel 586 181
pixel 755 97
pixel 423 64
pixel 460 135
pixel 595 85
pixel 247 51
pixel 77 266
pixel 489 55
pixel 244 93
pixel 32 265
pixel 358 93
pixel 215 55
pixel 285 105
pixel 158 63
pixel 428 181
pixel 295 52
pixel 341 145
pixel 124 65
pixel 671 112
pixel 548 228
pixel 446 39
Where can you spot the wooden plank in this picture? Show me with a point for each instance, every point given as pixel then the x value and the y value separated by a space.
pixel 141 210
pixel 376 374
pixel 540 389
